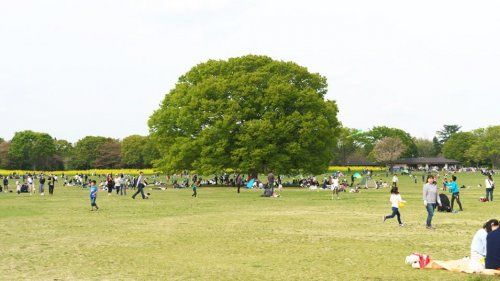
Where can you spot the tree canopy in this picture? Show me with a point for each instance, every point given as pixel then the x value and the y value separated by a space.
pixel 251 114
pixel 32 150
pixel 388 149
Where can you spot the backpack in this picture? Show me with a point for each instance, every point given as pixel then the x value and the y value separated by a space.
pixel 445 203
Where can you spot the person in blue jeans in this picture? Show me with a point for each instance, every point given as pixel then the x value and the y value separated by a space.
pixel 455 192
pixel 431 199
pixel 93 195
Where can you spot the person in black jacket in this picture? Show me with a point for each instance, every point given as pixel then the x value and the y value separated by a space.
pixel 493 248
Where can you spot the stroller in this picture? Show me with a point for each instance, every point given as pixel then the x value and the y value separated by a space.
pixel 445 203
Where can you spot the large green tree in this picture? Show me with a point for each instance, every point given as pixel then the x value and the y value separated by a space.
pixel 138 152
pixel 251 114
pixel 32 150
pixel 425 147
pixel 457 145
pixel 486 147
pixel 446 133
pixel 372 137
pixel 86 151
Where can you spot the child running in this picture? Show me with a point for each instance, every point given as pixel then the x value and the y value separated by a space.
pixel 93 195
pixel 395 202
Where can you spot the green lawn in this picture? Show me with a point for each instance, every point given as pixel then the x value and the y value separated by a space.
pixel 220 235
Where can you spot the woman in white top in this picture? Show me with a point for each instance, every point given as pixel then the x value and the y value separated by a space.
pixel 490 185
pixel 335 187
pixel 478 245
pixel 395 201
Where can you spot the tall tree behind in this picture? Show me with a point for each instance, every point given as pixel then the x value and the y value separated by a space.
pixel 388 149
pixel 457 145
pixel 4 155
pixel 109 155
pixel 86 151
pixel 425 147
pixel 32 150
pixel 251 114
pixel 446 133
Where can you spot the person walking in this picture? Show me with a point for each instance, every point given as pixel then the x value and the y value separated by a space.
pixel 455 192
pixel 395 200
pixel 93 195
pixel 490 186
pixel 140 184
pixel 335 186
pixel 431 199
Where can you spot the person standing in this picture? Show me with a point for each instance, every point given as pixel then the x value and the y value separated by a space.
pixel 51 182
pixel 195 187
pixel 140 184
pixel 5 183
pixel 335 186
pixel 118 184
pixel 431 199
pixel 93 195
pixel 455 192
pixel 395 200
pixel 270 181
pixel 42 184
pixel 31 186
pixel 395 180
pixel 239 182
pixel 490 186
pixel 110 184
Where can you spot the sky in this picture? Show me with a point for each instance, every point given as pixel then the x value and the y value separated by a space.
pixel 101 67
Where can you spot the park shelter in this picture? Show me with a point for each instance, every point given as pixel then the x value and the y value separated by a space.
pixel 427 163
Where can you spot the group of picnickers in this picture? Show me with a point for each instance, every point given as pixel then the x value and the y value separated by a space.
pixel 29 183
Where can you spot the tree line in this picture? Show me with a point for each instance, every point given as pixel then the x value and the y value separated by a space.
pixel 479 147
pixel 249 114
pixel 30 150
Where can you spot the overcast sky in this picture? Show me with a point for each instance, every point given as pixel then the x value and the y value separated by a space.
pixel 77 68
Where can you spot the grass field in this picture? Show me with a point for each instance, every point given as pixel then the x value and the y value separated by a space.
pixel 303 235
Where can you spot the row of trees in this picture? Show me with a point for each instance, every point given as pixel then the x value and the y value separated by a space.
pixel 384 144
pixel 39 151
pixel 250 114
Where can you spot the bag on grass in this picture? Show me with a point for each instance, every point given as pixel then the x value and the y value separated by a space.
pixel 445 203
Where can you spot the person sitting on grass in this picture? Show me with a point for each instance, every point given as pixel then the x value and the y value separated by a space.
pixel 395 200
pixel 478 245
pixel 493 248
pixel 93 195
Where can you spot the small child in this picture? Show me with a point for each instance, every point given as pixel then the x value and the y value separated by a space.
pixel 395 202
pixel 195 186
pixel 93 195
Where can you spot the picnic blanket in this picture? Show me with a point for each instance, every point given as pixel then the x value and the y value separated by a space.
pixel 462 265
